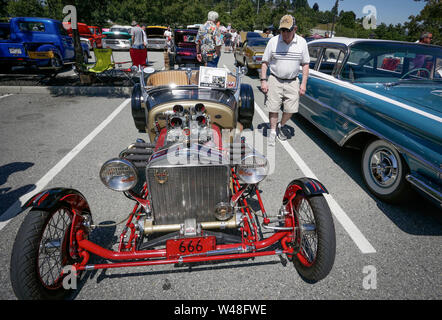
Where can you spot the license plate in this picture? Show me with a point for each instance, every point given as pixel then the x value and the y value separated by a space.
pixel 14 50
pixel 189 246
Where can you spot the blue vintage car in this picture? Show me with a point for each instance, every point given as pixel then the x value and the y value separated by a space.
pixel 384 97
pixel 41 43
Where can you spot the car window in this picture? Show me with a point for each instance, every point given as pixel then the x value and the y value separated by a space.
pixel 331 60
pixel 390 62
pixel 314 53
pixel 29 26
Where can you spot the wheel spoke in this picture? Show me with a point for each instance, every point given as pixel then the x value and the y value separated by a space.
pixel 51 256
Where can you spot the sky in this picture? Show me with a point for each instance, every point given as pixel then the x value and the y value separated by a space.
pixel 387 11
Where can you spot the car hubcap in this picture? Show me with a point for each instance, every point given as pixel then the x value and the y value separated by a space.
pixel 384 167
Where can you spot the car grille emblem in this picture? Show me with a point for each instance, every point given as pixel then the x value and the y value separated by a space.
pixel 161 176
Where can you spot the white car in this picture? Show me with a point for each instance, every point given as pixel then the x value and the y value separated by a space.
pixel 118 38
pixel 86 40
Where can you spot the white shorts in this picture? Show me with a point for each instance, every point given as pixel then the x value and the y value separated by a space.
pixel 282 92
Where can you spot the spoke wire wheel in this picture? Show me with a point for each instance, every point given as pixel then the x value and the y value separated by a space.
pixel 315 237
pixel 41 249
pixel 307 239
pixel 53 249
pixel 383 171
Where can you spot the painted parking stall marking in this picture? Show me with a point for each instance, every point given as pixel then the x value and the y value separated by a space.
pixel 353 231
pixel 13 210
pixel 5 95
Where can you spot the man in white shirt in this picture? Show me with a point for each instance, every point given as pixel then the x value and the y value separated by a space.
pixel 284 55
pixel 168 36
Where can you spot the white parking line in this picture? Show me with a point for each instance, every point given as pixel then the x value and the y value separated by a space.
pixel 6 95
pixel 353 231
pixel 355 234
pixel 16 207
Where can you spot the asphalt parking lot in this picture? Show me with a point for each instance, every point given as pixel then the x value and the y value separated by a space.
pixel 54 139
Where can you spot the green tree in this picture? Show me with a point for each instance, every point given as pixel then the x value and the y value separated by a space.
pixel 428 20
pixel 243 16
pixel 25 8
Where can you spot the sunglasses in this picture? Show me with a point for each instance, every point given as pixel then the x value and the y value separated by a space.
pixel 285 30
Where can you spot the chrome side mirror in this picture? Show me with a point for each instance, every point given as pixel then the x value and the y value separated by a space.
pixel 148 70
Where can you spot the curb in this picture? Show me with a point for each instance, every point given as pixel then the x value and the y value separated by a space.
pixel 65 90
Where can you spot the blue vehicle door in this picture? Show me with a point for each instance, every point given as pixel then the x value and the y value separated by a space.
pixel 67 43
pixel 320 101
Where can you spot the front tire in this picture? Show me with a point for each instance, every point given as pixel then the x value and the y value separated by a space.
pixel 384 171
pixel 40 252
pixel 315 237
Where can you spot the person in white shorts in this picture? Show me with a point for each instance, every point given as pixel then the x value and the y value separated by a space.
pixel 285 54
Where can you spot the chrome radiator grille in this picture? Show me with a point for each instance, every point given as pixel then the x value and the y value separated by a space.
pixel 183 192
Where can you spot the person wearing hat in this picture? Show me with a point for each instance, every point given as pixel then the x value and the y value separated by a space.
pixel 284 54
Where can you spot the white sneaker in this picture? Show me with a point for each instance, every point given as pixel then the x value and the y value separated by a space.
pixel 271 140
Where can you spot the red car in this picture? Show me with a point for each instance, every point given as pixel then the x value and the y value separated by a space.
pixel 195 187
pixel 98 36
pixel 92 33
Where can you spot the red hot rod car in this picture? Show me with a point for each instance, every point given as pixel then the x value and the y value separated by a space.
pixel 191 188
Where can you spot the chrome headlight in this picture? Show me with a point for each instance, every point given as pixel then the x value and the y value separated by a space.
pixel 253 168
pixel 119 174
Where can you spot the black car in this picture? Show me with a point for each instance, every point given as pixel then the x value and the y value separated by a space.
pixel 183 51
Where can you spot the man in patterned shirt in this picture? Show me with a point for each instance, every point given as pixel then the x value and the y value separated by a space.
pixel 209 41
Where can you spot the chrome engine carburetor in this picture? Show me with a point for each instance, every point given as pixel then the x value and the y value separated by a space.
pixel 188 125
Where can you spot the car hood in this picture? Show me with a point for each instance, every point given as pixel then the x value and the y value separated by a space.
pixel 424 96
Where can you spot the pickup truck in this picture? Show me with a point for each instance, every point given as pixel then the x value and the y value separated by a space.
pixel 37 43
pixel 92 33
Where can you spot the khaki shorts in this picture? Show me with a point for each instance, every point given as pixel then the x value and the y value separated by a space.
pixel 285 92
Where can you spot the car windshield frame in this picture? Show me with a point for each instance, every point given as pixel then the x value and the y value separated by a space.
pixel 162 94
pixel 398 60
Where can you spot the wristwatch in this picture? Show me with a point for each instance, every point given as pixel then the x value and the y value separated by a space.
pixel 263 79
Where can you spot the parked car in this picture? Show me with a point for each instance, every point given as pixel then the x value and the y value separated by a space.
pixel 86 41
pixel 313 37
pixel 117 40
pixel 384 97
pixel 249 53
pixel 245 35
pixel 93 34
pixel 97 36
pixel 192 190
pixel 155 37
pixel 118 28
pixel 183 50
pixel 38 43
